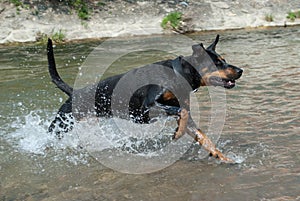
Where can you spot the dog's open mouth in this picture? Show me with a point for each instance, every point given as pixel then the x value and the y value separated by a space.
pixel 218 81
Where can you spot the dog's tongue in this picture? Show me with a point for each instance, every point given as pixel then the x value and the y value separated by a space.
pixel 230 83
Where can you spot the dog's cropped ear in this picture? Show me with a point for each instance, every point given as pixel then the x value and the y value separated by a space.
pixel 214 44
pixel 176 64
pixel 197 49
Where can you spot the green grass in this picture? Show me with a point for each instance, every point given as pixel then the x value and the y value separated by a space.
pixel 292 15
pixel 16 2
pixel 83 13
pixel 172 19
pixel 58 36
pixel 269 18
pixel 100 3
pixel 81 8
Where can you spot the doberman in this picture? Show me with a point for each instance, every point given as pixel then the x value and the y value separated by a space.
pixel 191 69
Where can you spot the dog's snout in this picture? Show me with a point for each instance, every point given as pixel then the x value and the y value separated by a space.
pixel 239 71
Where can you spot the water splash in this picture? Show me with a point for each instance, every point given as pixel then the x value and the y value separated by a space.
pixel 114 133
pixel 28 134
pixel 238 159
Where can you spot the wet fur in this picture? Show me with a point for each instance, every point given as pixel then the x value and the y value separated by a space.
pixel 145 98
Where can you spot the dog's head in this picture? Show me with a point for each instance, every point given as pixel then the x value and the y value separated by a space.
pixel 219 74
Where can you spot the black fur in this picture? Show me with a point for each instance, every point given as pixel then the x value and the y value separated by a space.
pixel 190 68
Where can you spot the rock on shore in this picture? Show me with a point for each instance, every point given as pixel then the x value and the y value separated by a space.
pixel 129 18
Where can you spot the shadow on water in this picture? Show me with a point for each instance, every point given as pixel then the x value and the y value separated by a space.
pixel 262 127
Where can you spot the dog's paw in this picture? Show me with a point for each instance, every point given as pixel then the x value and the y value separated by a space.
pixel 221 157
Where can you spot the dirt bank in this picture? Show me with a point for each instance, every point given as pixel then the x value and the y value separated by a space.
pixel 128 18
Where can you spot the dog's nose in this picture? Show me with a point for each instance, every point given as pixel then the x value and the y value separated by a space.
pixel 239 71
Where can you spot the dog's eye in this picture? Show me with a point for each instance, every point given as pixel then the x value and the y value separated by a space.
pixel 219 62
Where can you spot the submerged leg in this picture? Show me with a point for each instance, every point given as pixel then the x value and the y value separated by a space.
pixel 62 123
pixel 207 144
pixel 64 120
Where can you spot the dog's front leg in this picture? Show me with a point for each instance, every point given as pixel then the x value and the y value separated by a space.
pixel 185 125
pixel 207 144
pixel 182 123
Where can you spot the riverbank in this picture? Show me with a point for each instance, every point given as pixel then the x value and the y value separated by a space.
pixel 130 18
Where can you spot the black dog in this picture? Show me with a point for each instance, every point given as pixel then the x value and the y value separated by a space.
pixel 192 70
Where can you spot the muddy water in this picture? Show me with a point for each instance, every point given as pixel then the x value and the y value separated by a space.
pixel 261 128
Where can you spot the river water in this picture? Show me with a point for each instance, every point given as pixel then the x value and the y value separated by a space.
pixel 261 128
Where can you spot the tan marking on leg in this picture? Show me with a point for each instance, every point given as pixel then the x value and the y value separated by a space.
pixel 207 144
pixel 168 96
pixel 182 123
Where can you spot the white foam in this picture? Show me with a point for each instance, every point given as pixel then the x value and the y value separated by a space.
pixel 101 133
pixel 30 134
pixel 236 158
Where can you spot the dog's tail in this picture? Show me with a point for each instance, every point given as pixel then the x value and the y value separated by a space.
pixel 53 72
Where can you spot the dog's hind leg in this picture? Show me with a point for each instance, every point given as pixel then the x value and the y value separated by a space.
pixel 64 120
pixel 62 123
pixel 207 144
